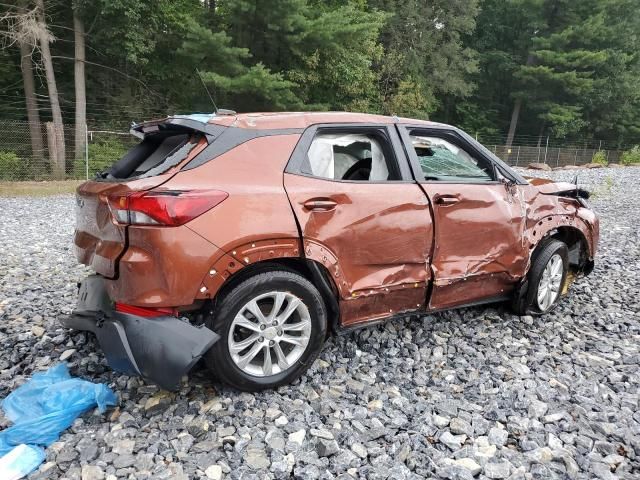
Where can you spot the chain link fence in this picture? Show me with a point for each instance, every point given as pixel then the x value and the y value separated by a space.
pixel 553 152
pixel 40 152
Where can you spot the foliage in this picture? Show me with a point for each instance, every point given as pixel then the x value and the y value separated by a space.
pixel 425 60
pixel 572 68
pixel 631 157
pixel 102 154
pixel 600 158
pixel 12 167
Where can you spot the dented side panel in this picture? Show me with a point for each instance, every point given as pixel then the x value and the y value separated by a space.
pixel 479 249
pixel 375 241
pixel 547 211
pixel 162 267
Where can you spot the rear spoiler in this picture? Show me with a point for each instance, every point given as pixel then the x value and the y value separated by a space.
pixel 198 123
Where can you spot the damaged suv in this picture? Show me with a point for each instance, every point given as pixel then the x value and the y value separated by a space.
pixel 246 238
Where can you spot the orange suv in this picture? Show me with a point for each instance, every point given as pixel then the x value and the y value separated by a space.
pixel 246 238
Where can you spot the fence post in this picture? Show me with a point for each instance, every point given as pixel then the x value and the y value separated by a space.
pixel 86 151
pixel 558 158
pixel 546 149
pixel 52 142
pixel 518 156
pixel 575 158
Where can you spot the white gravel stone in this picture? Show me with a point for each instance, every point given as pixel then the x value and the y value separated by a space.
pixel 67 354
pixel 214 472
pixel 298 437
pixel 498 436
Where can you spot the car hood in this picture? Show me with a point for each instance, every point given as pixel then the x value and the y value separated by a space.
pixel 562 189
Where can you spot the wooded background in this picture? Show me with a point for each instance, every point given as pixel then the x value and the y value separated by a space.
pixel 561 69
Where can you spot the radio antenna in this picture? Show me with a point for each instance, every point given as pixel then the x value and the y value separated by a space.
pixel 215 107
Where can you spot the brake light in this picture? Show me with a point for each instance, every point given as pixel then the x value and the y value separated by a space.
pixel 145 311
pixel 169 208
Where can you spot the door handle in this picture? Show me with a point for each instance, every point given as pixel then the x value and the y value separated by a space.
pixel 320 204
pixel 445 200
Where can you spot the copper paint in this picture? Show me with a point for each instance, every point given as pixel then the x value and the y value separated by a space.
pixel 476 238
pixel 373 243
pixel 383 245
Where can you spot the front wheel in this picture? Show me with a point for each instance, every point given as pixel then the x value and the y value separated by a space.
pixel 272 327
pixel 545 279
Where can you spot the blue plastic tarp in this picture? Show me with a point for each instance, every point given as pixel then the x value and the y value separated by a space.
pixel 47 405
pixel 20 462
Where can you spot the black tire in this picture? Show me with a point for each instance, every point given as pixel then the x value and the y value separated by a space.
pixel 525 300
pixel 219 359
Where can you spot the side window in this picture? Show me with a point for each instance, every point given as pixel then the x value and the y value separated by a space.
pixel 362 157
pixel 442 160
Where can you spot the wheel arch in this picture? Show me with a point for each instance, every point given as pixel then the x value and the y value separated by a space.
pixel 312 270
pixel 575 240
pixel 580 260
pixel 578 231
pixel 578 246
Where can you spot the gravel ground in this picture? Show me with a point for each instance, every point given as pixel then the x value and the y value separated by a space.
pixel 469 393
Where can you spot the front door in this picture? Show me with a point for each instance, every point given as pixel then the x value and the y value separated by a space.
pixel 478 217
pixel 363 217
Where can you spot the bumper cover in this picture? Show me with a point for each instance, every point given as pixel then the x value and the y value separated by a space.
pixel 159 349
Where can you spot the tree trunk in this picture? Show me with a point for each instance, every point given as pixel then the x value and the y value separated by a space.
pixel 515 115
pixel 57 165
pixel 56 113
pixel 81 94
pixel 33 115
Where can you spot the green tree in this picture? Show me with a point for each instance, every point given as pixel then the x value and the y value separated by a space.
pixel 424 49
pixel 324 51
pixel 583 78
pixel 503 39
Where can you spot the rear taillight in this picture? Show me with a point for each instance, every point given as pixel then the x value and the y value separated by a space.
pixel 145 311
pixel 163 207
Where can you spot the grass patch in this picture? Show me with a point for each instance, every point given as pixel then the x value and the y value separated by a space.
pixel 604 189
pixel 38 189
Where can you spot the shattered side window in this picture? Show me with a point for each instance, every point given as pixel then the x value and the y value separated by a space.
pixel 154 155
pixel 442 160
pixel 351 157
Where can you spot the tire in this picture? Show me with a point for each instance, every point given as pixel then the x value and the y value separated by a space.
pixel 545 261
pixel 257 336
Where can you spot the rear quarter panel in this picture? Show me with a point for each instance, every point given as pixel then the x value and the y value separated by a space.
pixel 256 221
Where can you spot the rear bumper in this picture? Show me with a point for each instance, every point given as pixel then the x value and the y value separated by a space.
pixel 159 349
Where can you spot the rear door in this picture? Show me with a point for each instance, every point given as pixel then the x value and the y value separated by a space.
pixel 478 217
pixel 99 240
pixel 363 217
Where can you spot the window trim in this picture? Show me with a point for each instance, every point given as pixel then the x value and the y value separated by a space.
pixel 389 134
pixel 453 136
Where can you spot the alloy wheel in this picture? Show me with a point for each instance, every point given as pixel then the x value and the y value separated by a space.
pixel 269 333
pixel 550 283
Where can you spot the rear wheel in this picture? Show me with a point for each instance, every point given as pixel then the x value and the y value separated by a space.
pixel 545 280
pixel 272 327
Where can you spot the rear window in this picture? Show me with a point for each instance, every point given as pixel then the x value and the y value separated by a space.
pixel 154 155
